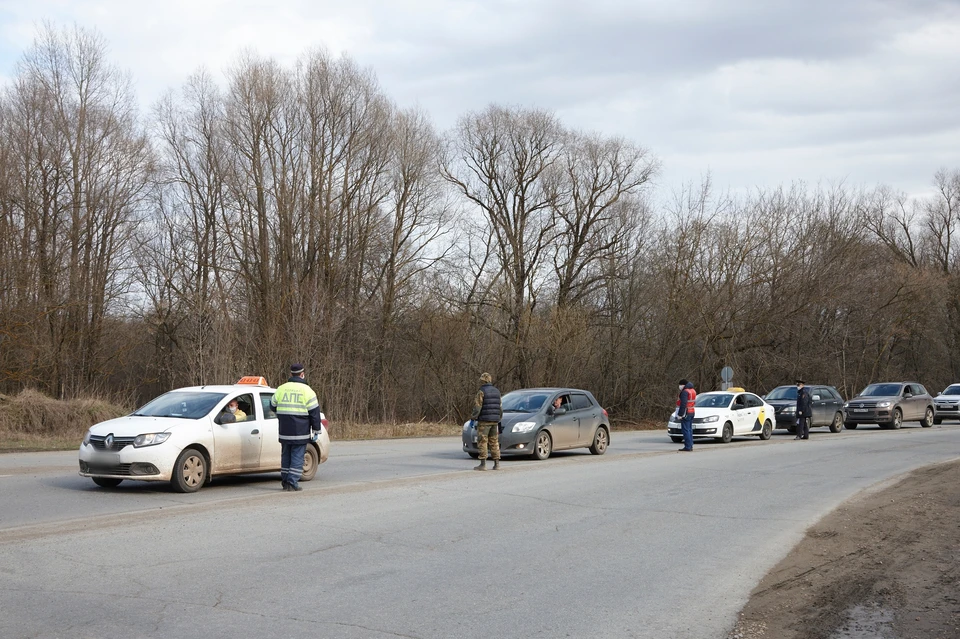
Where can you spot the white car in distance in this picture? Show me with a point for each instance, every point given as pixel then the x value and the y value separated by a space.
pixel 947 404
pixel 187 437
pixel 727 414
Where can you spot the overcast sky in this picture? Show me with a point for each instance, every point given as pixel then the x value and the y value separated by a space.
pixel 756 92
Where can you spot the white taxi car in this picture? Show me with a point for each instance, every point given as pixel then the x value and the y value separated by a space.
pixel 727 414
pixel 188 436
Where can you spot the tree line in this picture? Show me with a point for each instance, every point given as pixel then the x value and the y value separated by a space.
pixel 298 213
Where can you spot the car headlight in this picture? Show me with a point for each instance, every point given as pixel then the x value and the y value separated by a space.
pixel 708 420
pixel 884 404
pixel 86 438
pixel 674 418
pixel 789 409
pixel 150 439
pixel 524 427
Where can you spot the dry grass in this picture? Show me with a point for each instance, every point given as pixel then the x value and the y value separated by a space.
pixel 346 430
pixel 33 421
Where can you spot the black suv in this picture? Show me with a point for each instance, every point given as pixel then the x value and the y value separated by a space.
pixel 826 402
pixel 889 404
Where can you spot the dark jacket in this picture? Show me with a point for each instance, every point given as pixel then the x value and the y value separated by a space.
pixel 804 403
pixel 683 399
pixel 488 408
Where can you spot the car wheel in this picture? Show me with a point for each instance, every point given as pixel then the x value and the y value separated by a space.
pixel 600 441
pixel 474 455
pixel 937 420
pixel 927 418
pixel 311 462
pixel 190 471
pixel 544 445
pixel 837 424
pixel 766 431
pixel 727 433
pixel 850 425
pixel 106 482
pixel 676 440
pixel 897 419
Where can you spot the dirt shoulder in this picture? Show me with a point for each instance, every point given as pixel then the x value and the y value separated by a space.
pixel 885 565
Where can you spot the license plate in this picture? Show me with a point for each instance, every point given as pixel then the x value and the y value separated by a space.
pixel 107 459
pixel 859 410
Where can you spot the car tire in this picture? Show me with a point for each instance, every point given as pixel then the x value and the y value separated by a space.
pixel 928 418
pixel 190 471
pixel 543 446
pixel 474 455
pixel 837 424
pixel 897 419
pixel 601 439
pixel 106 482
pixel 676 440
pixel 850 425
pixel 767 431
pixel 727 433
pixel 311 462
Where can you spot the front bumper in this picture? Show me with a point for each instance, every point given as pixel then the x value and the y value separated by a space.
pixel 699 430
pixel 145 464
pixel 511 444
pixel 869 416
pixel 948 411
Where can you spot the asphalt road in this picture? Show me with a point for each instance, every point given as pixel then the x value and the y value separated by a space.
pixel 401 539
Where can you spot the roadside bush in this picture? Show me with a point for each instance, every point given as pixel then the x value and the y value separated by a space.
pixel 32 412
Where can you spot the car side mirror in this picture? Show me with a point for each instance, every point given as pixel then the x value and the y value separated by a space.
pixel 908 395
pixel 816 397
pixel 938 394
pixel 559 411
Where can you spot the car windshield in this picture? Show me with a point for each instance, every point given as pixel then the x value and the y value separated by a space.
pixel 783 392
pixel 523 401
pixel 182 404
pixel 952 390
pixel 721 400
pixel 881 390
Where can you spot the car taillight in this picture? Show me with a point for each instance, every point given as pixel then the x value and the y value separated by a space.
pixel 325 423
pixel 605 412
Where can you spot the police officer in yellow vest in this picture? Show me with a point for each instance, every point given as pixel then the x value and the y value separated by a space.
pixel 298 412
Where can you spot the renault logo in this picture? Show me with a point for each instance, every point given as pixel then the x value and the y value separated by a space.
pixel 108 442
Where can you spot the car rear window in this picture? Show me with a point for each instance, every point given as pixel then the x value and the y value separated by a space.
pixel 580 401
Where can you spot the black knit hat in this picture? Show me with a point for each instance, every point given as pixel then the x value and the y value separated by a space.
pixel 296 369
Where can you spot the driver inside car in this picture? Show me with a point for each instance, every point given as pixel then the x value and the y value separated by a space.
pixel 232 413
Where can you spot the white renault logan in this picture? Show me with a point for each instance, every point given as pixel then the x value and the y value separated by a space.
pixel 190 435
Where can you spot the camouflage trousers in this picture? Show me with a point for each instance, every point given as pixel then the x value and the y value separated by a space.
pixel 488 431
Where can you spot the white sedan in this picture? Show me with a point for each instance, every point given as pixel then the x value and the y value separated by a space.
pixel 189 436
pixel 727 414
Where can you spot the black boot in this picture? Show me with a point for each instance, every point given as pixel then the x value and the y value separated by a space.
pixel 496 464
pixel 482 465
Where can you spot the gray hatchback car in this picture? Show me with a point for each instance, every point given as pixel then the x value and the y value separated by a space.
pixel 531 426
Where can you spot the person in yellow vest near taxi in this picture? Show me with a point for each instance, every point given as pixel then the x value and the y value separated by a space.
pixel 298 412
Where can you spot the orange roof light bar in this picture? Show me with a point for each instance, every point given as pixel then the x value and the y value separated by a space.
pixel 253 380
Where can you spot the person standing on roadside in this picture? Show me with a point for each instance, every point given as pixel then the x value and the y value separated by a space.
pixel 298 412
pixel 804 411
pixel 685 412
pixel 487 412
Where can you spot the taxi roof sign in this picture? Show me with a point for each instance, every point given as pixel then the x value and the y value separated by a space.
pixel 253 380
pixel 736 389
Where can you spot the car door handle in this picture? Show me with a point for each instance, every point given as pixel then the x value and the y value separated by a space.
pixel 255 431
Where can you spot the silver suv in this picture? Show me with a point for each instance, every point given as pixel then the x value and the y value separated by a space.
pixel 948 404
pixel 889 404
